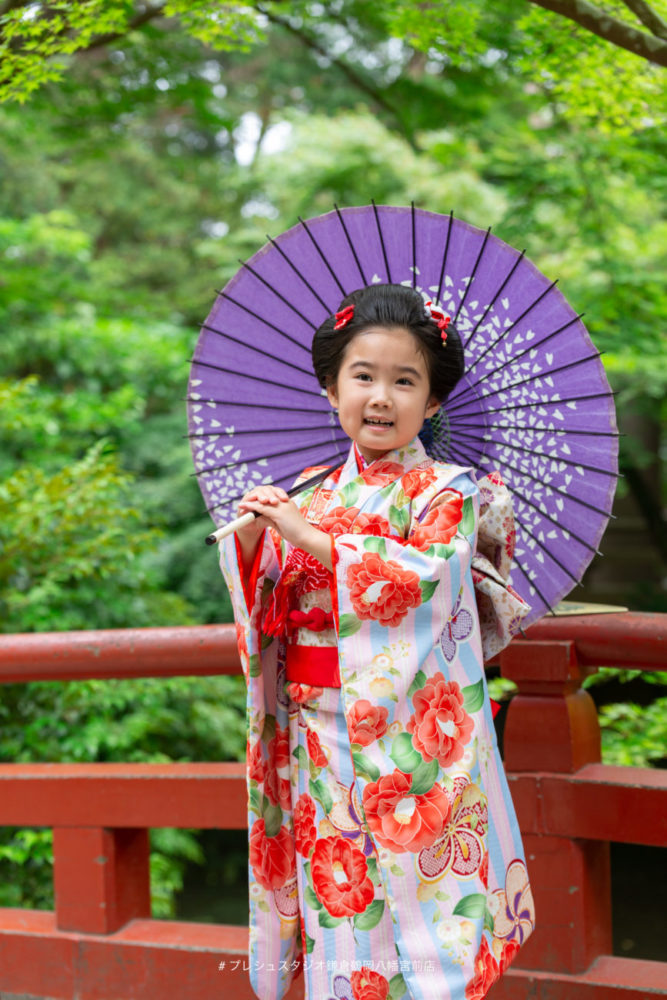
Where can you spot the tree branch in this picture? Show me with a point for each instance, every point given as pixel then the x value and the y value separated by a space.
pixel 136 22
pixel 648 17
pixel 609 28
pixel 357 81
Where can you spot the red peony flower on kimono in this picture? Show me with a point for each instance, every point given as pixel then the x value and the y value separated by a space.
pixel 349 521
pixel 440 726
pixel 340 877
pixel 509 953
pixel 414 483
pixel 271 858
pixel 315 751
pixel 486 973
pixel 242 644
pixel 255 762
pixel 279 747
pixel 440 523
pixel 400 820
pixel 305 831
pixel 366 722
pixel 276 785
pixel 369 985
pixel 381 473
pixel 382 590
pixel 484 870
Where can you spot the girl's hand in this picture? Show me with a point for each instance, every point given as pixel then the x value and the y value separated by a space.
pixel 277 510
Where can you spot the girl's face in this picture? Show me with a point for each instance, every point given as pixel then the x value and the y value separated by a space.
pixel 382 392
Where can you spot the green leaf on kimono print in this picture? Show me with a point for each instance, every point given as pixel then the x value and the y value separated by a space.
pixel 488 920
pixel 311 899
pixel 319 790
pixel 266 640
pixel 473 696
pixel 301 757
pixel 326 920
pixel 348 625
pixel 267 587
pixel 307 872
pixel 423 777
pixel 263 905
pixel 443 551
pixel 400 517
pixel 396 870
pixel 365 767
pixel 255 665
pixel 404 755
pixel 273 818
pixel 418 683
pixel 255 800
pixel 374 543
pixel 428 589
pixel 468 520
pixel 472 906
pixel 349 494
pixel 269 727
pixel 397 987
pixel 371 916
pixel 310 944
pixel 373 872
pixel 442 896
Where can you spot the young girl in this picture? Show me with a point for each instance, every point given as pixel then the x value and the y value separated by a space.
pixel 385 857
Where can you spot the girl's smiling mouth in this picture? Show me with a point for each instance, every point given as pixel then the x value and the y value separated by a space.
pixel 378 422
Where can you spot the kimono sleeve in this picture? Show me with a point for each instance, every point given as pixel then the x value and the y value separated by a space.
pixel 249 595
pixel 404 590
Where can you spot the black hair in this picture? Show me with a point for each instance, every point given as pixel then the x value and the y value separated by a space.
pixel 390 306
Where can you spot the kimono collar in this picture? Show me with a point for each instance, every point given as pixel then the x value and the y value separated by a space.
pixel 396 462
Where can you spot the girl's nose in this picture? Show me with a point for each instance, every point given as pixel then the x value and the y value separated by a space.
pixel 381 395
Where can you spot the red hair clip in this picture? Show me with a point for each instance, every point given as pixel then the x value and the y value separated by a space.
pixel 344 317
pixel 440 320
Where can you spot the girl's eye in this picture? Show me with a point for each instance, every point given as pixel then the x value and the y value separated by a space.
pixel 364 376
pixel 405 381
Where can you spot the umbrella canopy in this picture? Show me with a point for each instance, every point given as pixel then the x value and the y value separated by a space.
pixel 534 403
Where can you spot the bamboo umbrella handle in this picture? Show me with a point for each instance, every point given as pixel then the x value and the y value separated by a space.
pixel 229 529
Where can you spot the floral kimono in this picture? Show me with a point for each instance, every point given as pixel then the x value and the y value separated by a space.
pixel 385 856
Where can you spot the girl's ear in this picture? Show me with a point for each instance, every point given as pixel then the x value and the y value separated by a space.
pixel 332 395
pixel 432 407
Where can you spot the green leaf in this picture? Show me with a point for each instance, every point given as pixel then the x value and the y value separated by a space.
pixel 371 916
pixel 326 920
pixel 310 944
pixel 255 665
pixel 473 696
pixel 373 872
pixel 269 728
pixel 472 906
pixel 272 816
pixel 350 494
pixel 348 624
pixel 404 755
pixel 396 870
pixel 428 589
pixel 418 683
pixel 255 800
pixel 423 777
pixel 375 543
pixel 311 899
pixel 400 517
pixel 397 987
pixel 307 872
pixel 468 519
pixel 301 757
pixel 319 790
pixel 364 766
pixel 488 920
pixel 266 640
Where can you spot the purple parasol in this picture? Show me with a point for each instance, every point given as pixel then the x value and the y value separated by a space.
pixel 534 402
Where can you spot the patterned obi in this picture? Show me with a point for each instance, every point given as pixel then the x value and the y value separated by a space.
pixel 311 646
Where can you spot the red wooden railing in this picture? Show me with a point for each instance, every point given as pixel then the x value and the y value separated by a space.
pixel 101 944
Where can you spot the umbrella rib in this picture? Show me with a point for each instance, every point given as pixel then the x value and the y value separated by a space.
pixel 275 291
pixel 498 293
pixel 384 249
pixel 472 276
pixel 523 314
pixel 444 256
pixel 539 454
pixel 469 386
pixel 526 381
pixel 321 253
pixel 256 406
pixel 256 458
pixel 262 430
pixel 295 472
pixel 298 273
pixel 257 350
pixel 352 248
pixel 551 402
pixel 261 319
pixel 546 430
pixel 531 583
pixel 414 245
pixel 255 378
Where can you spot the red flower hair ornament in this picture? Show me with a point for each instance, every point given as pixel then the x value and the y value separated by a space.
pixel 439 318
pixel 344 317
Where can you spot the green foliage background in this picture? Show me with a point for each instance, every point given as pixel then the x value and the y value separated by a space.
pixel 130 184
